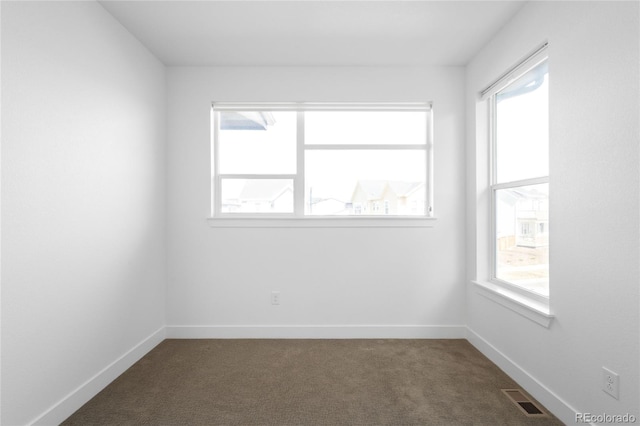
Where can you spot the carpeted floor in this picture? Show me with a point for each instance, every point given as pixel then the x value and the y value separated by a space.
pixel 308 382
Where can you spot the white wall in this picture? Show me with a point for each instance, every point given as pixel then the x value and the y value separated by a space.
pixel 594 101
pixel 83 107
pixel 83 204
pixel 331 280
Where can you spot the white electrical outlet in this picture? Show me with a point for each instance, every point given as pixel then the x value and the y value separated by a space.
pixel 275 297
pixel 610 382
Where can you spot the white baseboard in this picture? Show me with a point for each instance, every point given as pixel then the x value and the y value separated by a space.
pixel 76 399
pixel 68 405
pixel 316 332
pixel 551 401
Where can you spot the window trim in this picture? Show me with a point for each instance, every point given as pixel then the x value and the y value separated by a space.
pixel 516 298
pixel 537 311
pixel 539 57
pixel 322 222
pixel 294 219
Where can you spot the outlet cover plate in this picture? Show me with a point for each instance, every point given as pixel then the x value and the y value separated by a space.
pixel 610 382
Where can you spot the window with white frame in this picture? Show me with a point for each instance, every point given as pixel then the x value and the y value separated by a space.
pixel 296 160
pixel 519 181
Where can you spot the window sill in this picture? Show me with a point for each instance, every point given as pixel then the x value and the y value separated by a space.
pixel 322 222
pixel 534 310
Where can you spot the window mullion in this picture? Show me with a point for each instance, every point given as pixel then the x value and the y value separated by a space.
pixel 519 183
pixel 351 147
pixel 298 184
pixel 256 176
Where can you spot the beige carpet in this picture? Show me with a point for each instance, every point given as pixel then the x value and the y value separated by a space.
pixel 308 382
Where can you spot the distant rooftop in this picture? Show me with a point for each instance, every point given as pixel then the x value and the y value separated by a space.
pixel 375 188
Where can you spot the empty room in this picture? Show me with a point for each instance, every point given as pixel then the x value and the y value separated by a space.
pixel 183 240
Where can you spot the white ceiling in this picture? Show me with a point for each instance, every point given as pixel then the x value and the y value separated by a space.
pixel 313 33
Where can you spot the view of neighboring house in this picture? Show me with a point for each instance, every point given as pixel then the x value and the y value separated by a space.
pixel 262 196
pixel 523 219
pixel 381 197
pixel 522 238
pixel 327 207
pixel 369 198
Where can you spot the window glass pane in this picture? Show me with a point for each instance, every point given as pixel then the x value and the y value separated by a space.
pixel 367 182
pixel 257 195
pixel 365 127
pixel 522 237
pixel 257 142
pixel 522 127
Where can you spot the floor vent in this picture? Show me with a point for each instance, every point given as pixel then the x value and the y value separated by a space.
pixel 528 407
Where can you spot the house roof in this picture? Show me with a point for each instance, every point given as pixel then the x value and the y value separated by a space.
pixel 374 189
pixel 264 189
pixel 513 195
pixel 330 206
pixel 527 192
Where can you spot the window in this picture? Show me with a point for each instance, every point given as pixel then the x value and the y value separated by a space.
pixel 519 123
pixel 321 160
